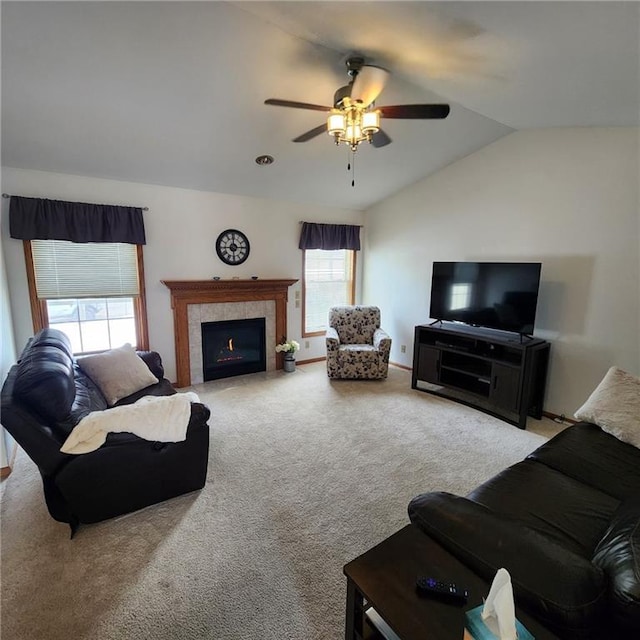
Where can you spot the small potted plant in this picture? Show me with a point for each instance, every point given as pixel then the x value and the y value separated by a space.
pixel 289 348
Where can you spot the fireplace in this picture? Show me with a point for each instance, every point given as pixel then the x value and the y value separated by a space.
pixel 197 301
pixel 233 348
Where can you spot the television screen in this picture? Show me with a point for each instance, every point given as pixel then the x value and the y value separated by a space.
pixel 497 295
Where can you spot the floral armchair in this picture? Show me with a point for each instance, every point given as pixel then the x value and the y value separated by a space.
pixel 356 345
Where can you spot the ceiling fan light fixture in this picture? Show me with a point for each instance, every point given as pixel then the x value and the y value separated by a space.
pixel 352 124
pixel 336 123
pixel 370 122
pixel 353 136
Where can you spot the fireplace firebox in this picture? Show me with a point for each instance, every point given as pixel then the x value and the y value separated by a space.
pixel 233 348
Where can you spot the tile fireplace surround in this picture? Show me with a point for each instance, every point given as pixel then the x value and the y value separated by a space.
pixel 197 301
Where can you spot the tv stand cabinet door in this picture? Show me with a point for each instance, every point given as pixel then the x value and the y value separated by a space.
pixel 505 387
pixel 429 364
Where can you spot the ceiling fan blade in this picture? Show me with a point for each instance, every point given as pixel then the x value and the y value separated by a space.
pixel 380 139
pixel 368 84
pixel 296 105
pixel 415 111
pixel 311 134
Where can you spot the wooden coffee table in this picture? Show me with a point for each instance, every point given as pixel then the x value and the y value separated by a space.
pixel 385 577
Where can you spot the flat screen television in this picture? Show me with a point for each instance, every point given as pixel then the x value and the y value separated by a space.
pixel 496 295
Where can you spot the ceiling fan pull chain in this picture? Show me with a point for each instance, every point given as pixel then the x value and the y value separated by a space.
pixel 353 168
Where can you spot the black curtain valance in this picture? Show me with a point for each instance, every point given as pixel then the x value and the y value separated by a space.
pixel 329 236
pixel 42 219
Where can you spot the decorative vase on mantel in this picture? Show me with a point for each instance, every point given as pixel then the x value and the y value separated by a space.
pixel 289 362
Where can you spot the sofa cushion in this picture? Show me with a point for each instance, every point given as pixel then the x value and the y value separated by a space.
pixel 118 372
pixel 615 406
pixel 572 514
pixel 595 458
pixel 88 398
pixel 618 554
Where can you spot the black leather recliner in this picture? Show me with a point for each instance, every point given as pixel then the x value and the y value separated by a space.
pixel 565 523
pixel 46 394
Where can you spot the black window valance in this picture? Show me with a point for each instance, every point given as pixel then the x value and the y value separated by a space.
pixel 42 219
pixel 329 236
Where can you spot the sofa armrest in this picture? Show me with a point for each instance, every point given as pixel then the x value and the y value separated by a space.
pixel 563 589
pixel 153 360
pixel 200 413
pixel 617 555
pixel 35 437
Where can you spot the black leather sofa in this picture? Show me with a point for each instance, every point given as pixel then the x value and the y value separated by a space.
pixel 565 523
pixel 46 394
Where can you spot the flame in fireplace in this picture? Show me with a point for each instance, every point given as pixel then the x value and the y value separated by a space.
pixel 229 353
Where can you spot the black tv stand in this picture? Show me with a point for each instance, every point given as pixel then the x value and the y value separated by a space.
pixel 494 371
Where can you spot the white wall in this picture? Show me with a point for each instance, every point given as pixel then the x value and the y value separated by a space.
pixel 181 226
pixel 7 354
pixel 567 197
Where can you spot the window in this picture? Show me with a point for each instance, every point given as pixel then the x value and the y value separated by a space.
pixel 328 280
pixel 94 292
pixel 94 324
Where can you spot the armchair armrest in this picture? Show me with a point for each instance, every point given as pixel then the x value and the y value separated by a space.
pixel 565 590
pixel 332 340
pixel 380 335
pixel 382 342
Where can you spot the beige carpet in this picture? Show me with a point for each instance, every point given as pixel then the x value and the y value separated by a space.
pixel 304 475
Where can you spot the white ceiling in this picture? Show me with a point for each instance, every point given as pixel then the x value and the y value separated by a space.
pixel 172 93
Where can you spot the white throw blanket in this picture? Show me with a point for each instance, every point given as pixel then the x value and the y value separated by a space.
pixel 155 418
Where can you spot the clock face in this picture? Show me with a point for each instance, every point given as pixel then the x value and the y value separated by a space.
pixel 232 246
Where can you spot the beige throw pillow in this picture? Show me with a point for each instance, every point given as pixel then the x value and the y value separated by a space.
pixel 118 373
pixel 615 406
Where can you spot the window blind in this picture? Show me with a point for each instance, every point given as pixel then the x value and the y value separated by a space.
pixel 328 282
pixel 73 270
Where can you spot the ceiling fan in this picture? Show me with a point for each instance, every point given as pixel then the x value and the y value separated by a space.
pixel 354 118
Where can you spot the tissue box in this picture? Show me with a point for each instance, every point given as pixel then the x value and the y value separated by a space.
pixel 479 630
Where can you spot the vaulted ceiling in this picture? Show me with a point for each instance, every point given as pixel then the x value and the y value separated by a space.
pixel 172 93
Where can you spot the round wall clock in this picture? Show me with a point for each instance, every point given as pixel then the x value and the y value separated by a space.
pixel 232 246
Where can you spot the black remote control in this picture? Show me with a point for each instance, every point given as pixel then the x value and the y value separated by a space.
pixel 445 591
